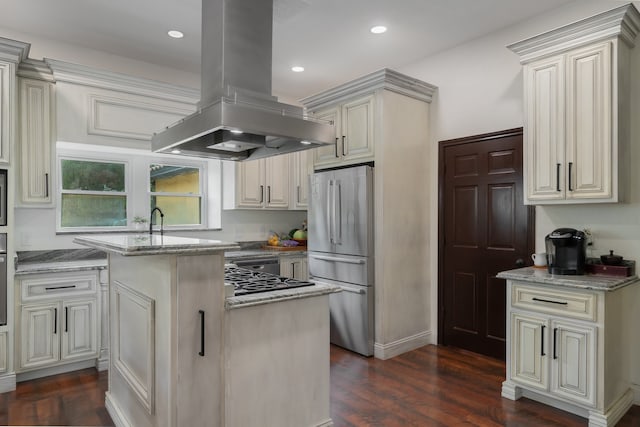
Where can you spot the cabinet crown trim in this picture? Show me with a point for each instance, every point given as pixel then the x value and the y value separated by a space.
pixel 89 76
pixel 381 79
pixel 34 69
pixel 13 50
pixel 622 22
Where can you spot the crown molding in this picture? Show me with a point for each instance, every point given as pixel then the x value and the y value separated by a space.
pixel 622 22
pixel 382 79
pixel 13 50
pixel 35 69
pixel 88 76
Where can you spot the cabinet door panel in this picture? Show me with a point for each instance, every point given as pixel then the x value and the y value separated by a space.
pixel 357 129
pixel 39 335
pixel 301 169
pixel 573 367
pixel 328 154
pixel 79 335
pixel 529 350
pixel 250 189
pixel 277 182
pixel 589 108
pixel 7 73
pixel 544 131
pixel 36 138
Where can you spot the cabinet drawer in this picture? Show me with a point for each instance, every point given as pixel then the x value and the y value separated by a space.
pixel 577 305
pixel 41 287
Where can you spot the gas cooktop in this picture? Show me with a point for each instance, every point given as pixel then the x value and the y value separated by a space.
pixel 247 281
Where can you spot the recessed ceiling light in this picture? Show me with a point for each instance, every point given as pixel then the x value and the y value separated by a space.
pixel 297 69
pixel 378 29
pixel 175 34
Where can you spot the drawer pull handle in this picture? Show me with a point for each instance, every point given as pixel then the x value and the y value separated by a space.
pixel 549 301
pixel 55 321
pixel 555 334
pixel 542 340
pixel 53 288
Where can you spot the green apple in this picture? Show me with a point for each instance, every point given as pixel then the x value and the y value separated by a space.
pixel 300 234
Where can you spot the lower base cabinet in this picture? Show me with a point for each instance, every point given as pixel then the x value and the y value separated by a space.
pixel 294 267
pixel 58 321
pixel 565 348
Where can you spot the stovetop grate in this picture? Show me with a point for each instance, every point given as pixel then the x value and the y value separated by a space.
pixel 247 281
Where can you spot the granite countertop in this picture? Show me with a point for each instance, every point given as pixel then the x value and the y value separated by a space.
pixel 58 260
pixel 60 266
pixel 156 244
pixel 587 281
pixel 242 301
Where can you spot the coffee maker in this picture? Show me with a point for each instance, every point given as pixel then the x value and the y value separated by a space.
pixel 566 251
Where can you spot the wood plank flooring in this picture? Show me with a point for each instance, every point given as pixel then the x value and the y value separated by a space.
pixel 430 386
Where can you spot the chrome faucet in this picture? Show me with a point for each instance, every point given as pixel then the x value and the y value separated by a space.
pixel 151 221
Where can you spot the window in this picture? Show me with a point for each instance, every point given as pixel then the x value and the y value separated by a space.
pixel 176 191
pixel 102 188
pixel 93 194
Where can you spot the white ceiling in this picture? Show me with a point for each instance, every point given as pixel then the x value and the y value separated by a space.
pixel 330 38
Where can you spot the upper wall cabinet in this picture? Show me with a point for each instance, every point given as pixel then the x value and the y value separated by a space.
pixel 353 122
pixel 11 53
pixel 577 110
pixel 262 183
pixel 37 134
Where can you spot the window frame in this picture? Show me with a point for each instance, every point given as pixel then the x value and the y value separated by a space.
pixel 60 191
pixel 138 184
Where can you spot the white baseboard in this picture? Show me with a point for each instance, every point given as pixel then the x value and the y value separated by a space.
pixel 395 348
pixel 55 370
pixel 7 382
pixel 636 393
pixel 102 363
pixel 117 417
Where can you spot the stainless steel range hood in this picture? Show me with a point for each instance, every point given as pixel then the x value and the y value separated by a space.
pixel 237 117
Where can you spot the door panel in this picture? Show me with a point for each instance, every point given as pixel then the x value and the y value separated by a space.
pixel 485 228
pixel 319 233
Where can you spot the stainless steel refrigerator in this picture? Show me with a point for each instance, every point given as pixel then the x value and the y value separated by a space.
pixel 341 252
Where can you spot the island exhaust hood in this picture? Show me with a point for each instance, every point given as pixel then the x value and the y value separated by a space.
pixel 237 117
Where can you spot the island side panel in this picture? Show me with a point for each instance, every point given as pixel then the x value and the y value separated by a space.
pixel 277 358
pixel 199 391
pixel 161 296
pixel 140 313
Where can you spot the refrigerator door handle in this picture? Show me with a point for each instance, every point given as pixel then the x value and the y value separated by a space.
pixel 330 211
pixel 337 213
pixel 338 259
pixel 353 291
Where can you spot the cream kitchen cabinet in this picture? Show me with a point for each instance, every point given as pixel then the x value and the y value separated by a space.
pixel 294 266
pixel 301 167
pixel 566 343
pixel 263 183
pixel 354 143
pixel 57 319
pixel 576 111
pixel 37 139
pixel 7 95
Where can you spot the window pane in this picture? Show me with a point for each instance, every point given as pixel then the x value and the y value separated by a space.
pixel 174 179
pixel 177 210
pixel 92 176
pixel 80 210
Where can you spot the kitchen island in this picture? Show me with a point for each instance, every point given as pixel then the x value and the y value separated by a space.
pixel 185 352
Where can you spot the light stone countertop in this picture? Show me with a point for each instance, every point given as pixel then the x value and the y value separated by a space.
pixel 156 244
pixel 587 281
pixel 242 301
pixel 60 266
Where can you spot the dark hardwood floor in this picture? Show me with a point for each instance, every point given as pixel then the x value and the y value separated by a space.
pixel 430 386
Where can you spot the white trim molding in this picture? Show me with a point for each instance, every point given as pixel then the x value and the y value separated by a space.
pixel 13 50
pixel 622 22
pixel 381 79
pixel 395 348
pixel 7 382
pixel 88 76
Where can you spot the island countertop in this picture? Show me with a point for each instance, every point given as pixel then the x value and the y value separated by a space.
pixel 156 244
pixel 586 281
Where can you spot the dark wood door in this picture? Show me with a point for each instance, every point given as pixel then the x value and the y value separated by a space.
pixel 484 228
